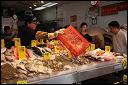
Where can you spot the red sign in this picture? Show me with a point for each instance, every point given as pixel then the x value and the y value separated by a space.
pixel 73 41
pixel 113 8
pixel 108 10
pixel 122 6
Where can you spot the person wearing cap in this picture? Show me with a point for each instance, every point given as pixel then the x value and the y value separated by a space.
pixel 119 37
pixel 29 32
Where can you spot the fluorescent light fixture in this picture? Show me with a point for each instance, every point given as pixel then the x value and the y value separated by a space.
pixel 49 4
pixel 40 8
pixel 46 5
pixel 52 4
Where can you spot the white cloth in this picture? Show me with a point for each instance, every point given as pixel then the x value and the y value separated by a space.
pixel 6 22
pixel 120 42
pixel 14 20
pixel 14 23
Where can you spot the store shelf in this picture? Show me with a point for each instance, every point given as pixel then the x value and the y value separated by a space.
pixel 82 73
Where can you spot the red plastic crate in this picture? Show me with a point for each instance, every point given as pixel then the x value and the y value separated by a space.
pixel 73 41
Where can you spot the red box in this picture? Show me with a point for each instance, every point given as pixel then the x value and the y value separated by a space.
pixel 73 41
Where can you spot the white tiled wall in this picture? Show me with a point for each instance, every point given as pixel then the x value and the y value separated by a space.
pixel 121 17
pixel 80 8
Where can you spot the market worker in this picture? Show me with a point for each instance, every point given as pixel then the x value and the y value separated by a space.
pixel 29 32
pixel 97 36
pixel 83 31
pixel 119 37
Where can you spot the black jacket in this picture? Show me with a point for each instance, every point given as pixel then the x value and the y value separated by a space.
pixel 88 37
pixel 26 35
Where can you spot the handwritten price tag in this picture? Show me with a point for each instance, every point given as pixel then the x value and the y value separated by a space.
pixel 47 56
pixel 2 43
pixel 22 52
pixel 17 41
pixel 22 82
pixel 55 49
pixel 124 63
pixel 107 49
pixel 88 49
pixel 56 42
pixel 125 78
pixel 69 55
pixel 92 47
pixel 41 41
pixel 47 41
pixel 33 43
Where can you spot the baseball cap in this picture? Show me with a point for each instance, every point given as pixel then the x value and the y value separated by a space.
pixel 31 19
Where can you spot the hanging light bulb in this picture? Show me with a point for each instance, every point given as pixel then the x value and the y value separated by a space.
pixel 30 7
pixel 42 1
pixel 35 5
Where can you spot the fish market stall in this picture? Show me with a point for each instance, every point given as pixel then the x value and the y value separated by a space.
pixel 55 62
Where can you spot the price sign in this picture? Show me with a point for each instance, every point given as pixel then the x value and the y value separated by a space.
pixel 22 82
pixel 47 41
pixel 124 63
pixel 125 78
pixel 2 43
pixel 92 47
pixel 69 55
pixel 47 56
pixel 55 49
pixel 38 42
pixel 41 41
pixel 22 52
pixel 107 49
pixel 73 41
pixel 88 49
pixel 33 43
pixel 56 42
pixel 17 42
